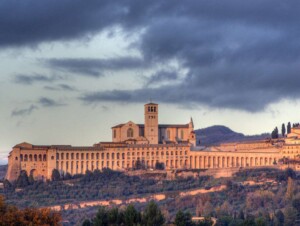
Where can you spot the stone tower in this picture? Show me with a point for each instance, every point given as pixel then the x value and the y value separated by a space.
pixel 151 122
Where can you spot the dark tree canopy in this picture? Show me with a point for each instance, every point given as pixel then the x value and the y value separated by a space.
pixel 283 129
pixel 152 215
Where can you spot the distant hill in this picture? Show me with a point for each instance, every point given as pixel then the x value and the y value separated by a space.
pixel 221 134
pixel 3 169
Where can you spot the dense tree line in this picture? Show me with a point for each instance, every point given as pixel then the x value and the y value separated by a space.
pixel 11 215
pixel 105 184
pixel 151 216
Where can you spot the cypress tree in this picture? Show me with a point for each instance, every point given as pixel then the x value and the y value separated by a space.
pixel 288 128
pixel 283 129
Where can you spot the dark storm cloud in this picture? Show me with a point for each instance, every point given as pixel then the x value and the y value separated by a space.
pixel 162 76
pixel 237 54
pixel 95 67
pixel 24 111
pixel 30 79
pixel 47 102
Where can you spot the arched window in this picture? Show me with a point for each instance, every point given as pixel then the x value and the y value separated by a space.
pixel 130 132
pixel 168 134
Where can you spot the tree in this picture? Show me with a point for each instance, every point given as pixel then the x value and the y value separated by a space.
pixel 55 175
pixel 241 215
pixel 274 133
pixel 11 215
pixel 283 129
pixel 68 176
pixel 208 209
pixel 101 218
pixel 290 189
pixel 290 173
pixel 279 218
pixel 131 216
pixel 22 180
pixel 183 219
pixel 7 185
pixel 290 216
pixel 113 216
pixel 86 222
pixel 159 166
pixel 152 215
pixel 288 128
pixel 296 203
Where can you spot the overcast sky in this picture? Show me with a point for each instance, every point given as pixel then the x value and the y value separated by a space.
pixel 71 69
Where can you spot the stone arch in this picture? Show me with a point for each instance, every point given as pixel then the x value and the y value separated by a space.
pixel 251 161
pixel 196 163
pixel 72 165
pixel 44 157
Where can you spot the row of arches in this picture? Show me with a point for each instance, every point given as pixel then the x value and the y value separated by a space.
pixel 230 161
pixel 193 162
pixel 116 155
pixel 33 157
pixel 76 167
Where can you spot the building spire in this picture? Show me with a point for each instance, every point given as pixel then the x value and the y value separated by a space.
pixel 191 122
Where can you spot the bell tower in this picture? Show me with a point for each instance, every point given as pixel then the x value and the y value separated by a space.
pixel 151 122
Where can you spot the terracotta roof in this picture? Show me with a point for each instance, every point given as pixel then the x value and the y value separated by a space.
pixel 151 103
pixel 160 125
pixel 119 125
pixel 174 125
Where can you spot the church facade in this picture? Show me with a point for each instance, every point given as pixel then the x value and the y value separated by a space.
pixel 147 144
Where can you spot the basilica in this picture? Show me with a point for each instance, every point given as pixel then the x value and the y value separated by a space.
pixel 172 145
